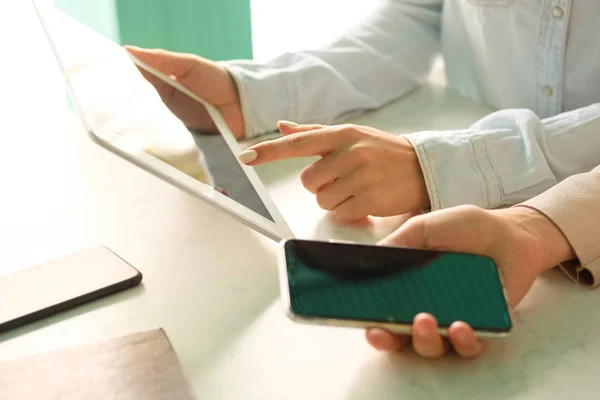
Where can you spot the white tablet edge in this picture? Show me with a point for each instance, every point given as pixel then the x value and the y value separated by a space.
pixel 276 230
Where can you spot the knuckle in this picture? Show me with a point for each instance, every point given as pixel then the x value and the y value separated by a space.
pixel 295 139
pixel 415 227
pixel 417 222
pixel 360 153
pixel 470 208
pixel 346 127
pixel 307 179
pixel 472 212
pixel 349 130
pixel 323 201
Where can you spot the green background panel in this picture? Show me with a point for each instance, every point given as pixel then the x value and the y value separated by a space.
pixel 215 29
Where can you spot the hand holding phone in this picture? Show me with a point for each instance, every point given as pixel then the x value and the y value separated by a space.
pixel 364 286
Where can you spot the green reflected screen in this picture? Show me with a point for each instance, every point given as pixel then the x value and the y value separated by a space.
pixel 384 284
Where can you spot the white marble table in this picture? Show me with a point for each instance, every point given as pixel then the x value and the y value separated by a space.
pixel 61 192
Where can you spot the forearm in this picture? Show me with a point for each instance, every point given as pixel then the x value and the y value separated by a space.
pixel 535 154
pixel 380 59
pixel 507 157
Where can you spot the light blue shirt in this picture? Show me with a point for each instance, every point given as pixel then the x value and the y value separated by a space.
pixel 536 61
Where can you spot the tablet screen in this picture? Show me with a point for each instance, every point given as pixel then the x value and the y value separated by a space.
pixel 120 106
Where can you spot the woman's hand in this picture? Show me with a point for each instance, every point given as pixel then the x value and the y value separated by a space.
pixel 209 80
pixel 362 171
pixel 522 241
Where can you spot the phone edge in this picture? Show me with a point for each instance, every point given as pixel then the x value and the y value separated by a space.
pixel 401 329
pixel 105 291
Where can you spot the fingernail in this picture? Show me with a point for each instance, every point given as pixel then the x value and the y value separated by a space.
pixel 288 124
pixel 247 156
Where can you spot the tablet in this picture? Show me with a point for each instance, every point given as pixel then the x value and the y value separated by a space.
pixel 124 113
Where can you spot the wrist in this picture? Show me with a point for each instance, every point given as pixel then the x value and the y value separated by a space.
pixel 554 243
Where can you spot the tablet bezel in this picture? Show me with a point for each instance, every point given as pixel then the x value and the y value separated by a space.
pixel 276 230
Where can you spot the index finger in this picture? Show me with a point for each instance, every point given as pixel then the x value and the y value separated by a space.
pixel 318 142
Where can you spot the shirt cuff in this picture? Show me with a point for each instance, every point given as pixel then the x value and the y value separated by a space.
pixel 266 95
pixel 456 168
pixel 575 213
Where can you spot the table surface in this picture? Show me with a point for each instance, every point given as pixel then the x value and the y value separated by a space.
pixel 220 308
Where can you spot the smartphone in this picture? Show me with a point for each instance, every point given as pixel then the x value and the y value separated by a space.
pixel 63 283
pixel 356 285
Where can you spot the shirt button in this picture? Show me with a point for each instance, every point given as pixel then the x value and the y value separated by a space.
pixel 547 90
pixel 557 12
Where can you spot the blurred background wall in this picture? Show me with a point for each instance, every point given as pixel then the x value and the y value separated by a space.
pixel 220 29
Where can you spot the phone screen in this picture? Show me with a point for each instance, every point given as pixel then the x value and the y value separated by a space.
pixel 393 285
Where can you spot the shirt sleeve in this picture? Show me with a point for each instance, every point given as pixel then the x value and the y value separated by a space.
pixel 507 157
pixel 377 61
pixel 574 207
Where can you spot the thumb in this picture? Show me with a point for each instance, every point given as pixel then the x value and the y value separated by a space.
pixel 206 78
pixel 167 62
pixel 465 229
pixel 154 59
pixel 411 234
pixel 289 127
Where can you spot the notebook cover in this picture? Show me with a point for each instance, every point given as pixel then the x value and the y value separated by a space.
pixel 137 366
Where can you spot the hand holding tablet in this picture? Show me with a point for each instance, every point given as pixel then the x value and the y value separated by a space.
pixel 198 76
